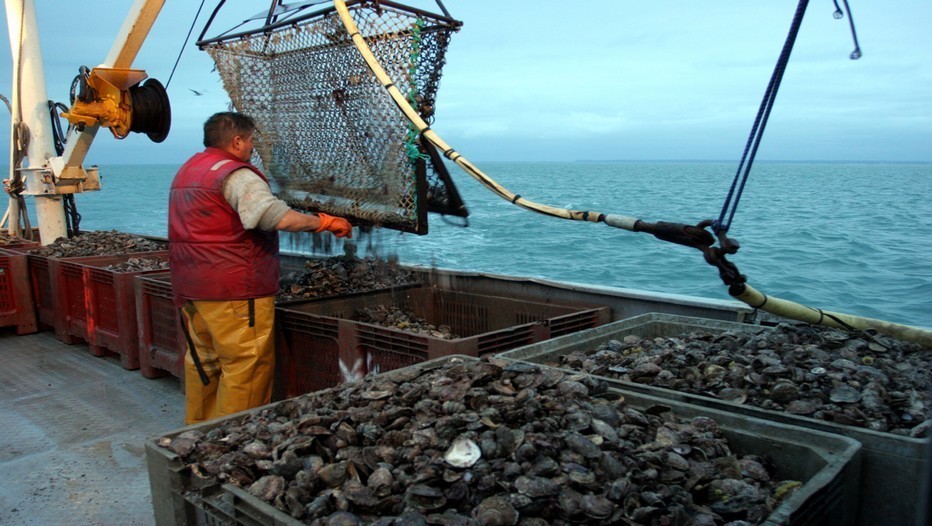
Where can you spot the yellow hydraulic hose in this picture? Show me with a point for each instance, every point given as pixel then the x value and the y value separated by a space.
pixel 796 311
pixel 750 296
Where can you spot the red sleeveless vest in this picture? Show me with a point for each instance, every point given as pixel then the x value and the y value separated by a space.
pixel 211 255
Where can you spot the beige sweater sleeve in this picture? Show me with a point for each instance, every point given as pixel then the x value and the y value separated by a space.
pixel 253 200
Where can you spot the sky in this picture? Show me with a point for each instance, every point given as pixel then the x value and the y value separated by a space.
pixel 568 81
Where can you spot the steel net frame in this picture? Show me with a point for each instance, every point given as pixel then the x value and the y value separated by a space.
pixel 328 135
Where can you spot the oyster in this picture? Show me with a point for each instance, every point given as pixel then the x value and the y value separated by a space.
pixel 554 454
pixel 464 453
pixel 831 374
pixel 496 511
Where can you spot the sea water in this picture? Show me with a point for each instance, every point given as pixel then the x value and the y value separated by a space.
pixel 848 237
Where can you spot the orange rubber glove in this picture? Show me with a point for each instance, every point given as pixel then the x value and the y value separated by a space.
pixel 339 226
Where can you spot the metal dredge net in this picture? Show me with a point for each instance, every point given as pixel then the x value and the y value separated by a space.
pixel 329 136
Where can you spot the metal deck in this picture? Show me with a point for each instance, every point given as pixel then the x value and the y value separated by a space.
pixel 72 428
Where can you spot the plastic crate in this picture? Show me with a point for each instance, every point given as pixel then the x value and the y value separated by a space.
pixel 40 282
pixel 22 243
pixel 828 465
pixel 161 342
pixel 319 347
pixel 17 308
pixel 44 281
pixel 893 466
pixel 97 305
pixel 44 284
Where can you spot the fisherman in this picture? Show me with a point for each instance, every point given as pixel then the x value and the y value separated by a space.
pixel 222 229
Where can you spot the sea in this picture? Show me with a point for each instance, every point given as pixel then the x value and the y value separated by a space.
pixel 849 237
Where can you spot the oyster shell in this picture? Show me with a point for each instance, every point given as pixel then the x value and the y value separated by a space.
pixel 463 453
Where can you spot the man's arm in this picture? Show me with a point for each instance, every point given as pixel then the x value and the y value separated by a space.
pixel 297 222
pixel 258 208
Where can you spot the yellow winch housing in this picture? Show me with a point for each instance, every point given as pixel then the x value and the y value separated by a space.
pixel 115 99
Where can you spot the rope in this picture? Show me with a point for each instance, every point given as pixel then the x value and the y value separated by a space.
pixel 411 138
pixel 760 123
pixel 763 114
pixel 14 185
pixel 58 136
pixel 20 145
pixel 185 44
pixel 19 63
pixel 72 217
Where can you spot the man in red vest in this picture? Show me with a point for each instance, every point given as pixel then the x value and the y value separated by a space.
pixel 223 253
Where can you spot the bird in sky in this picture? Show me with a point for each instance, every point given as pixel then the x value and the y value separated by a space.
pixel 196 93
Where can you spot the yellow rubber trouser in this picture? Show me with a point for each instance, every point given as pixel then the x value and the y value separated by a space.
pixel 238 358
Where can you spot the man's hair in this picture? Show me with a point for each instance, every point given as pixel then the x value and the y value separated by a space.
pixel 221 128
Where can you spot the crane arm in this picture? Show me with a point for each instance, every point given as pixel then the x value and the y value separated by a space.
pixel 128 42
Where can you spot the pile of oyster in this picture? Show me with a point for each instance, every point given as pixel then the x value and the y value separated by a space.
pixel 482 443
pixel 858 378
pixel 397 318
pixel 342 275
pixel 140 264
pixel 7 239
pixel 101 243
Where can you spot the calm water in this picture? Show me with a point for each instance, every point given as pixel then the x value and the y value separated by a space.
pixel 853 238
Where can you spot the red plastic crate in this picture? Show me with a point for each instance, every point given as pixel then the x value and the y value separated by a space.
pixel 17 307
pixel 319 346
pixel 22 243
pixel 43 281
pixel 99 305
pixel 161 342
pixel 40 281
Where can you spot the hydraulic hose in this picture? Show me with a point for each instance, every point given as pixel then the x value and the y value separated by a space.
pixel 796 311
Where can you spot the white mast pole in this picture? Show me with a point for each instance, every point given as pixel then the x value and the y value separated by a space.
pixel 30 106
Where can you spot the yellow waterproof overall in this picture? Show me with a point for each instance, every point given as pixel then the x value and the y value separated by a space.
pixel 237 356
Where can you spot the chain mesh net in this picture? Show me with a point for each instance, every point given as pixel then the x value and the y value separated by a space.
pixel 330 137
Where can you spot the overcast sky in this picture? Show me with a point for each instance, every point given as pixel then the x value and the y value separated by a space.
pixel 598 80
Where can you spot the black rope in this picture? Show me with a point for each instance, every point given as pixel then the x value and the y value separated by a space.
pixel 149 108
pixel 760 123
pixel 72 217
pixel 763 114
pixel 181 51
pixel 58 135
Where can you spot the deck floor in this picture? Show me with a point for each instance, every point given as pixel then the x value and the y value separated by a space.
pixel 72 428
